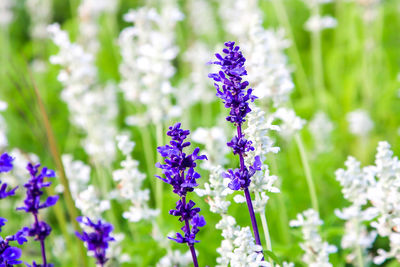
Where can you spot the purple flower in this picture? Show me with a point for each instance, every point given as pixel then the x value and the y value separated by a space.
pixel 240 178
pixel 236 95
pixel 34 189
pixel 179 168
pixel 32 204
pixel 228 82
pixel 96 241
pixel 180 174
pixel 10 256
pixel 6 163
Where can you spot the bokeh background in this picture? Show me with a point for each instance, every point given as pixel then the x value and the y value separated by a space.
pixel 351 64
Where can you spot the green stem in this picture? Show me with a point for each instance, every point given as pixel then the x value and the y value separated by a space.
pixel 282 207
pixel 264 224
pixel 307 170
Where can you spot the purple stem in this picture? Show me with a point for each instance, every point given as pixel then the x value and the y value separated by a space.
pixel 41 242
pixel 191 246
pixel 247 194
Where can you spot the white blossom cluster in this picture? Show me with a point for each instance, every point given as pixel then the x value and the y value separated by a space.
pixel 374 193
pixel 201 17
pixel 258 128
pixel 89 12
pixel 316 22
pixel 6 12
pixel 147 49
pixel 290 122
pixel 238 247
pixel 355 184
pixel 360 123
pixel 316 250
pixel 92 107
pixel 216 190
pixel 214 140
pixel 40 12
pixel 175 258
pixel 385 198
pixel 3 127
pixel 321 128
pixel 196 88
pixel 130 181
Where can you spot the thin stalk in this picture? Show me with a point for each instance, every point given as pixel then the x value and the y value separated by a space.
pixel 159 183
pixel 307 170
pixel 247 194
pixel 264 224
pixel 252 217
pixel 282 207
pixel 72 210
pixel 41 242
pixel 191 246
pixel 300 74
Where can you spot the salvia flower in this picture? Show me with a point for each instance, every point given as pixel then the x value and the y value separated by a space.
pixel 236 96
pixel 32 204
pixel 179 172
pixel 9 256
pixel 97 241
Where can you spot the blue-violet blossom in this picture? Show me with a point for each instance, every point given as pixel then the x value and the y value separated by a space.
pixel 236 95
pixel 180 174
pixel 34 190
pixel 9 256
pixel 96 241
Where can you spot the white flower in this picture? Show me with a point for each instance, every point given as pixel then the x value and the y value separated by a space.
pixel 196 88
pixel 89 203
pixel 176 258
pixel 316 250
pixel 6 12
pixel 147 49
pixel 321 128
pixel 130 181
pixel 360 122
pixel 238 248
pixel 92 108
pixel 89 12
pixel 216 189
pixel 40 16
pixel 215 141
pixel 291 123
pixel 318 23
pixel 78 174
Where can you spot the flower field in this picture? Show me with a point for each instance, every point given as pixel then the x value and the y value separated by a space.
pixel 175 133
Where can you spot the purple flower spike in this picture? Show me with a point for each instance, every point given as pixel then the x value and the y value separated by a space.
pixel 32 204
pixel 236 95
pixel 180 174
pixel 6 163
pixel 96 241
